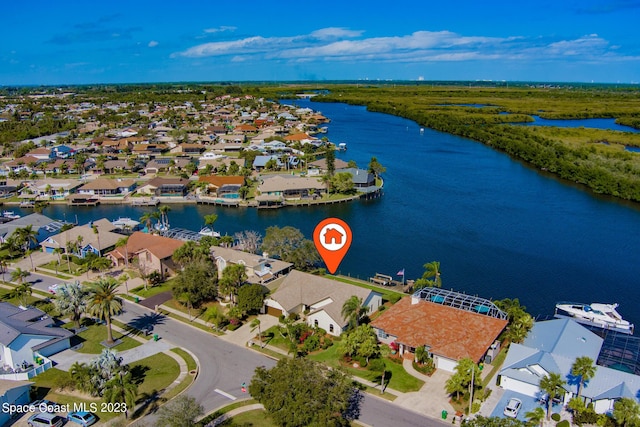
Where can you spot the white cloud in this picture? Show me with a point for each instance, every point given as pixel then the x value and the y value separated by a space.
pixel 153 43
pixel 219 29
pixel 341 44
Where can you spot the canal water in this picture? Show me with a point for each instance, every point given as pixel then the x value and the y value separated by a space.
pixel 498 228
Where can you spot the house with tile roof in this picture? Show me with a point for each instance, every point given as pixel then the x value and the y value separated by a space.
pixel 291 186
pixel 553 346
pixel 108 187
pixel 223 186
pixel 319 299
pixel 28 336
pixel 95 237
pixel 165 187
pixel 152 252
pixel 449 325
pixel 260 269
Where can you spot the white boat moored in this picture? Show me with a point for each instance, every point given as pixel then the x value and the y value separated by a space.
pixel 599 315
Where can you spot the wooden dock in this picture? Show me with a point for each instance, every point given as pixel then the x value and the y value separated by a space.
pixel 144 202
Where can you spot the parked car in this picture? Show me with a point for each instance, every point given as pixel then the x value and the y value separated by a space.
pixel 43 405
pixel 82 418
pixel 45 419
pixel 512 408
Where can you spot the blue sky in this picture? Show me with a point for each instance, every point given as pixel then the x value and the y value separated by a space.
pixel 79 42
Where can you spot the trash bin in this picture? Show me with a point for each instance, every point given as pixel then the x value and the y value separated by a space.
pixel 444 414
pixel 156 337
pixel 137 299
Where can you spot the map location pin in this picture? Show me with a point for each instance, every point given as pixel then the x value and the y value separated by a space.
pixel 332 237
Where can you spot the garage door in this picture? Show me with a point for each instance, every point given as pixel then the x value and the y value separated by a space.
pixel 272 311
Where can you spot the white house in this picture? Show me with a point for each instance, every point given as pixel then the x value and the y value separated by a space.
pixel 319 299
pixel 553 346
pixel 27 337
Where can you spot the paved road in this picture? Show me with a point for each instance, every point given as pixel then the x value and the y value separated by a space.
pixel 225 366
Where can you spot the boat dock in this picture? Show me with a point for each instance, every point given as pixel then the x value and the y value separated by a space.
pixel 144 202
pixel 217 202
pixel 83 201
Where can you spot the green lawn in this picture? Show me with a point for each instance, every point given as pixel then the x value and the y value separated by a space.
pixel 64 267
pixel 154 373
pixel 91 340
pixel 191 363
pixel 157 371
pixel 399 378
pixel 387 294
pixel 255 418
pixel 153 290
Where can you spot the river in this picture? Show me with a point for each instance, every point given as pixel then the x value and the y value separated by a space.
pixel 498 228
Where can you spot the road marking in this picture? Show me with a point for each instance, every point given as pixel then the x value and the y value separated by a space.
pixel 227 395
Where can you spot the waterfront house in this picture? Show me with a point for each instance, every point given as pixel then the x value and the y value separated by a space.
pixel 27 337
pixel 165 187
pixel 51 189
pixel 95 237
pixel 150 251
pixel 112 166
pixel 319 300
pixel 43 226
pixel 554 345
pixel 362 180
pixel 108 187
pixel 449 325
pixel 226 187
pixel 320 166
pixel 260 162
pixel 259 268
pixel 291 187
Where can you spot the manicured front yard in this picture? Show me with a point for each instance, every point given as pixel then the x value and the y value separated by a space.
pixel 155 373
pixel 95 334
pixel 397 377
pixel 255 418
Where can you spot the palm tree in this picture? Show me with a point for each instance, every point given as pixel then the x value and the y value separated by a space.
pixel 99 264
pixel 146 219
pixel 626 412
pixel 164 218
pixel 18 275
pixel 3 265
pixel 255 324
pixel 69 248
pixel 353 310
pixel 536 416
pixel 104 303
pixel 27 236
pixel 551 384
pixel 122 243
pixel 433 273
pixel 71 298
pixel 22 293
pixel 209 220
pixel 58 252
pixel 584 368
pixel 123 279
pixel 121 388
pixel 96 231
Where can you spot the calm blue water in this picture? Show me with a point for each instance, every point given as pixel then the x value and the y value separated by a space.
pixel 578 123
pixel 498 228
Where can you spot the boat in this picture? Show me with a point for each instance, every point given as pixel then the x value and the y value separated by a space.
pixel 207 231
pixel 10 215
pixel 342 146
pixel 599 315
pixel 125 223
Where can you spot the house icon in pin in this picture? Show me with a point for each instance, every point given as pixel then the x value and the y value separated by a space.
pixel 333 236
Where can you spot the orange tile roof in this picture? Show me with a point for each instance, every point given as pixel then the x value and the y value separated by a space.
pixel 297 137
pixel 450 332
pixel 159 246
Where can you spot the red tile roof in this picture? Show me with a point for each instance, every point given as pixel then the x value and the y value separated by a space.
pixel 159 246
pixel 450 332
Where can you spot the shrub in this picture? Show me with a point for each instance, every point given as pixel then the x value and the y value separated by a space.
pixel 376 365
pixel 555 416
pixel 312 343
pixel 563 423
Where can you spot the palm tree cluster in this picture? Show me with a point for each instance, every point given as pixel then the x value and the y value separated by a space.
pixel 21 242
pixel 99 299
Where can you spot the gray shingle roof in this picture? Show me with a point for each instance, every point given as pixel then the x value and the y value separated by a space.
pixel 14 321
